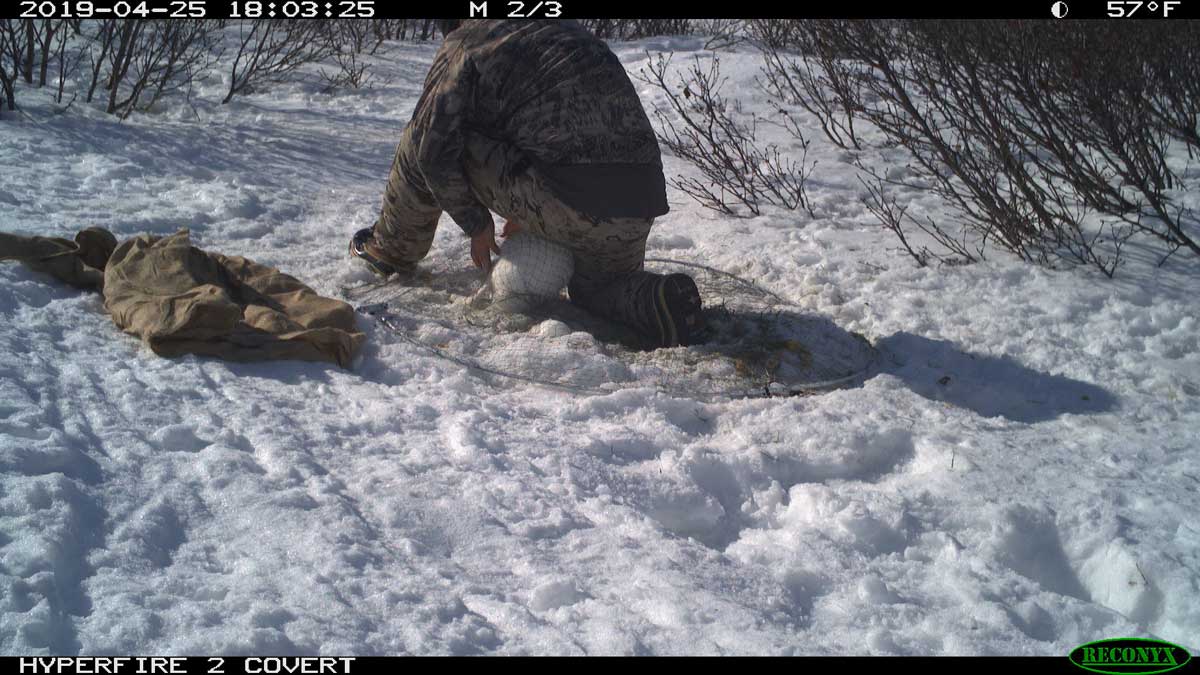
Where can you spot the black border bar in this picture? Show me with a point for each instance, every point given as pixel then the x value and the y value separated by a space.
pixel 334 665
pixel 1051 10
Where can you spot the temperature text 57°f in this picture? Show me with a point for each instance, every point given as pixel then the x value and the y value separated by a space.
pixel 1126 9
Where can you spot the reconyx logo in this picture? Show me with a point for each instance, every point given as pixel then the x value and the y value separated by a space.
pixel 1122 656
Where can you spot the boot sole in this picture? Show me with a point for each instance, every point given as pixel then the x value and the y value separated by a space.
pixel 358 251
pixel 679 311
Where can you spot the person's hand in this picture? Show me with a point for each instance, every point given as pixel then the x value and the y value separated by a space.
pixel 511 227
pixel 482 247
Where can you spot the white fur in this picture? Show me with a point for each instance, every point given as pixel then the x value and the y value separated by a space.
pixel 529 270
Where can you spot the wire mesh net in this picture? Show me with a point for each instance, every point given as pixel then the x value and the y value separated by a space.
pixel 757 343
pixel 529 270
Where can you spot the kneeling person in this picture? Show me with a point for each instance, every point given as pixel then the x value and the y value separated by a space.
pixel 538 122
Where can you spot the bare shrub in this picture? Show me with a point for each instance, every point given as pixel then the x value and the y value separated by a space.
pixel 774 33
pixel 351 38
pixel 42 34
pixel 428 29
pixel 737 169
pixel 8 69
pixel 634 29
pixel 269 49
pixel 356 36
pixel 1049 139
pixel 724 33
pixel 148 59
pixel 882 202
pixel 68 59
pixel 1126 95
pixel 407 29
pixel 30 45
pixel 817 82
pixel 351 73
pixel 101 44
pixel 28 49
pixel 386 29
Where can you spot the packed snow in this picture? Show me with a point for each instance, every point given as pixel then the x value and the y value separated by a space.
pixel 1022 475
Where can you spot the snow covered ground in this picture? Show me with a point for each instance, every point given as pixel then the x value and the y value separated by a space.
pixel 1022 476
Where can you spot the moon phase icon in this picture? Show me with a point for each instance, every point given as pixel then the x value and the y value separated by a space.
pixel 1059 9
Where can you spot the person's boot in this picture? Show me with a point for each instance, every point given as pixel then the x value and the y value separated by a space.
pixel 665 310
pixel 672 309
pixel 363 249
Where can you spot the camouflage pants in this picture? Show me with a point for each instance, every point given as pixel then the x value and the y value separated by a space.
pixel 608 254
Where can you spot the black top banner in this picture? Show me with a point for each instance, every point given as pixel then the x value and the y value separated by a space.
pixel 1060 10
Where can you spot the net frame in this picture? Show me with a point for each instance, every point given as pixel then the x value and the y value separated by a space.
pixel 765 345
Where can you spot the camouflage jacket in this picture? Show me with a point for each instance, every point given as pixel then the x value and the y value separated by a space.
pixel 558 94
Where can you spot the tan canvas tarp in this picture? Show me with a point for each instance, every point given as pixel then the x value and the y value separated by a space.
pixel 79 263
pixel 182 300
